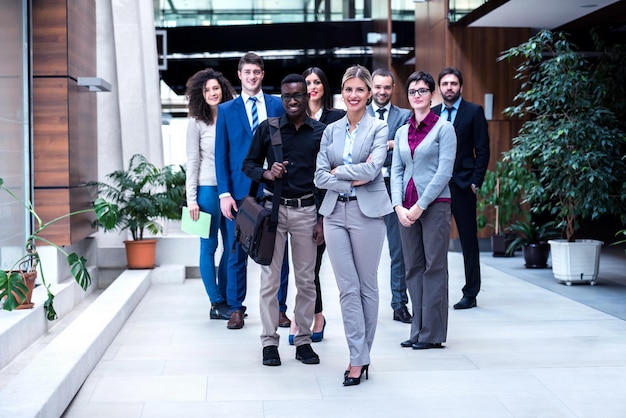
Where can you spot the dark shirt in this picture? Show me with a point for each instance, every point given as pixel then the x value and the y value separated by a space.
pixel 300 148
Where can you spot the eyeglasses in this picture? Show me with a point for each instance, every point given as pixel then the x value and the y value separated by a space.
pixel 297 97
pixel 418 92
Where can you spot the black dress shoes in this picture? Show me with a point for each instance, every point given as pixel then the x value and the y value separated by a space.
pixel 271 356
pixel 426 346
pixel 407 343
pixel 466 303
pixel 219 311
pixel 306 355
pixel 402 314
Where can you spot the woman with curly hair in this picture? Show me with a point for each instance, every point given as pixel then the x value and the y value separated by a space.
pixel 206 89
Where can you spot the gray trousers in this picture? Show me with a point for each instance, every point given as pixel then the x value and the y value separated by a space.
pixel 354 243
pixel 425 248
pixel 299 223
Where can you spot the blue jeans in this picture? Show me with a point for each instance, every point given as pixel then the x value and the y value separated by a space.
pixel 215 285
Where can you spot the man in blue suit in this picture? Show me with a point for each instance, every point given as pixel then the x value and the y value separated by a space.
pixel 236 122
pixel 383 84
pixel 472 158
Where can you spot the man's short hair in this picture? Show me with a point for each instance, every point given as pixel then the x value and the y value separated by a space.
pixel 294 78
pixel 383 72
pixel 451 70
pixel 251 58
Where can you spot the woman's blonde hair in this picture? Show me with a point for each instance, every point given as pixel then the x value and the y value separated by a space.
pixel 360 72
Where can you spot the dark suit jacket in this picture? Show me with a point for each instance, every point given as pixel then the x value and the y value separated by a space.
pixel 233 136
pixel 396 118
pixel 472 149
pixel 331 115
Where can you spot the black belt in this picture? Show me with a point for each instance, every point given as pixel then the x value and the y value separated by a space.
pixel 298 202
pixel 346 198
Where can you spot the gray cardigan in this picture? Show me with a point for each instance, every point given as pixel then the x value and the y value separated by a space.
pixel 431 165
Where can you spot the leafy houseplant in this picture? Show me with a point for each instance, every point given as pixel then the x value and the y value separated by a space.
pixel 570 147
pixel 533 239
pixel 138 197
pixel 498 197
pixel 13 289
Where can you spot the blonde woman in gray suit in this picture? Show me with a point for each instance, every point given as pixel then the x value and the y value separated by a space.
pixel 349 163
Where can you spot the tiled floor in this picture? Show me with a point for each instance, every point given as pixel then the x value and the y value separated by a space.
pixel 524 352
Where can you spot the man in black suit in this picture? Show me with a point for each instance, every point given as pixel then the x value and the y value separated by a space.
pixel 472 157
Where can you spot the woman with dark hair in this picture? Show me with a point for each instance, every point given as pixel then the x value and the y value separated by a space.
pixel 205 90
pixel 421 168
pixel 320 108
pixel 320 96
pixel 349 164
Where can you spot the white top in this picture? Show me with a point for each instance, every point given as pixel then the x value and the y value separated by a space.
pixel 200 157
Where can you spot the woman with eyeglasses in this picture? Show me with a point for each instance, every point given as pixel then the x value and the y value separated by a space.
pixel 349 164
pixel 320 108
pixel 423 159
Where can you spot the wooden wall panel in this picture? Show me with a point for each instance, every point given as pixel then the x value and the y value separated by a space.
pixel 49 37
pixel 51 132
pixel 59 202
pixel 65 115
pixel 81 38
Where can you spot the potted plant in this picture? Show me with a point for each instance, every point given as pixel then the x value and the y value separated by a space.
pixel 532 238
pixel 138 197
pixel 16 284
pixel 498 197
pixel 570 147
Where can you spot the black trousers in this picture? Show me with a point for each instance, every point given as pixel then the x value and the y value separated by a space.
pixel 464 212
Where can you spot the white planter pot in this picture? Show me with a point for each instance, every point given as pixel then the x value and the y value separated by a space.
pixel 575 262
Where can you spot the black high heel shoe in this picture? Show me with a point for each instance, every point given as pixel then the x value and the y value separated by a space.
pixel 353 381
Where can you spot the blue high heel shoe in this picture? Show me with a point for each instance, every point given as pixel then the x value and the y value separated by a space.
pixel 316 337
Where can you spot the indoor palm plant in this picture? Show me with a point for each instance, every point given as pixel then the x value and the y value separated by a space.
pixel 571 145
pixel 15 282
pixel 139 197
pixel 532 237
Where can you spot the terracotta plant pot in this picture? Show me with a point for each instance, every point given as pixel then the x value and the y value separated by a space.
pixel 141 254
pixel 29 280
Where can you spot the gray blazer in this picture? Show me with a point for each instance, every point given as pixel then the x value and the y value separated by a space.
pixel 430 167
pixel 371 139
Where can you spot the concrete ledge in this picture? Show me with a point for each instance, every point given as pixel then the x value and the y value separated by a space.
pixel 21 328
pixel 47 385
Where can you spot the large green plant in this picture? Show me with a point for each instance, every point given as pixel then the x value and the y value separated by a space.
pixel 499 197
pixel 141 195
pixel 13 290
pixel 570 146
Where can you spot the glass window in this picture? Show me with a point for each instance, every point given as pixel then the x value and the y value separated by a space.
pixel 14 129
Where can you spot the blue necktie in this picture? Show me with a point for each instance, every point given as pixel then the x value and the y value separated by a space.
pixel 255 114
pixel 449 109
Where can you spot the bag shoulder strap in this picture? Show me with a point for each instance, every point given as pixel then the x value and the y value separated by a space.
pixel 277 145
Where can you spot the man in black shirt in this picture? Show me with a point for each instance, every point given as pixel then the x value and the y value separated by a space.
pixel 297 215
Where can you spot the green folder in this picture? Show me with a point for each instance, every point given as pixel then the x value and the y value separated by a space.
pixel 201 227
